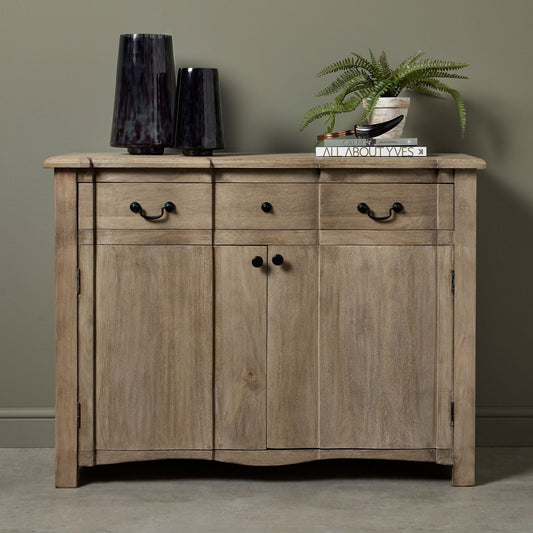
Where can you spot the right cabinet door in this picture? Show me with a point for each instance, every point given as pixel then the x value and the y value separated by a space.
pixel 385 346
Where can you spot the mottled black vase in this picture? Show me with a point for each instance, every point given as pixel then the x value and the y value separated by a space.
pixel 144 95
pixel 198 128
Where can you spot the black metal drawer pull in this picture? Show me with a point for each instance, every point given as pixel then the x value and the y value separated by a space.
pixel 363 208
pixel 266 207
pixel 137 208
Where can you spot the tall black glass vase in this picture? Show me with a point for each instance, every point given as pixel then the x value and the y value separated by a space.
pixel 198 128
pixel 145 93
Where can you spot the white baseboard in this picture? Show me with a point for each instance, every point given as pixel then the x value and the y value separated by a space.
pixel 495 426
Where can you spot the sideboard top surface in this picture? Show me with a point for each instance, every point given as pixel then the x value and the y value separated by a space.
pixel 230 160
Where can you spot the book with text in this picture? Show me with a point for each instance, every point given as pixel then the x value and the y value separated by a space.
pixel 371 151
pixel 352 141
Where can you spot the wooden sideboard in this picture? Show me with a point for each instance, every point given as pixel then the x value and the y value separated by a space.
pixel 250 309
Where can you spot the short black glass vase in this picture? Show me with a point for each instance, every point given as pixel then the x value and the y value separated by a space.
pixel 198 129
pixel 145 94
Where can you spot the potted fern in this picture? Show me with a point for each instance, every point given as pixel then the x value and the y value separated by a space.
pixel 375 84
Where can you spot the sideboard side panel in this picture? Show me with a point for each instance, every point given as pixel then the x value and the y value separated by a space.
pixel 465 329
pixel 66 328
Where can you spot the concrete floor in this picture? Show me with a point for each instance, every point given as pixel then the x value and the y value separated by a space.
pixel 329 496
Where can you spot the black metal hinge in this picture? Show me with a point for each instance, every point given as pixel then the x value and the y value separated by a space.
pixel 452 414
pixel 78 414
pixel 78 274
pixel 453 281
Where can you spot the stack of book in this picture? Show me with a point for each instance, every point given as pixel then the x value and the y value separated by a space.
pixel 353 147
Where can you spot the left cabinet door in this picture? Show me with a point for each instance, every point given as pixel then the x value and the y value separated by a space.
pixel 153 347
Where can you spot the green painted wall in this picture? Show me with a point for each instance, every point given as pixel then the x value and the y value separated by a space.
pixel 57 64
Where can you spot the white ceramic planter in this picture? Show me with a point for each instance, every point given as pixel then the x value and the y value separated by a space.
pixel 387 109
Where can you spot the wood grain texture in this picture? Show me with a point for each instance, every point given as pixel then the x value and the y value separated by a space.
pixel 66 263
pixel 153 175
pixel 445 175
pixel 107 457
pixel 423 454
pixel 338 206
pixel 238 206
pixel 436 161
pixel 141 236
pixel 193 206
pixel 444 435
pixel 445 201
pixel 267 176
pixel 292 359
pixel 265 457
pixel 377 347
pixel 465 329
pixel 86 331
pixel 260 236
pixel 382 175
pixel 444 457
pixel 240 348
pixel 260 161
pixel 288 457
pixel 384 237
pixel 86 349
pixel 125 160
pixel 153 347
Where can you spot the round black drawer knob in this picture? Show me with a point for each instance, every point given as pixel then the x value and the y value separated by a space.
pixel 266 207
pixel 277 259
pixel 257 261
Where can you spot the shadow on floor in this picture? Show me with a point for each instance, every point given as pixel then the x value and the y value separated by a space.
pixel 326 469
pixel 493 464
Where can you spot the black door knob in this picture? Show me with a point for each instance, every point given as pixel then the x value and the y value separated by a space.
pixel 277 259
pixel 257 261
pixel 266 207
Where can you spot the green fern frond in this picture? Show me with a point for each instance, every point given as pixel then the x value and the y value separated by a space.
pixel 363 63
pixel 332 108
pixel 373 61
pixel 378 91
pixel 444 74
pixel 380 67
pixel 426 65
pixel 442 87
pixel 363 90
pixel 410 60
pixel 343 81
pixel 385 67
pixel 344 64
pixel 422 88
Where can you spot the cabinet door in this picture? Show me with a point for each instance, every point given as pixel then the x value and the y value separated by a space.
pixel 292 360
pixel 266 348
pixel 153 366
pixel 240 348
pixel 379 352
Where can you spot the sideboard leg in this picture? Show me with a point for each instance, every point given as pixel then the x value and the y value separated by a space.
pixel 464 469
pixel 464 435
pixel 66 427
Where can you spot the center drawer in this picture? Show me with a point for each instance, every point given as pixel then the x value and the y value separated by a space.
pixel 192 202
pixel 266 206
pixel 360 206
